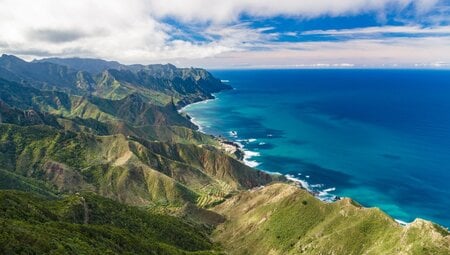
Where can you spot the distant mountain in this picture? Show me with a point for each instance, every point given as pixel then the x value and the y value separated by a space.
pixel 90 65
pixel 44 75
pixel 158 84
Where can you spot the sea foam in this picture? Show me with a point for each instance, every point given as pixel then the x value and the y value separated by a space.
pixel 323 195
pixel 195 122
pixel 403 223
pixel 248 155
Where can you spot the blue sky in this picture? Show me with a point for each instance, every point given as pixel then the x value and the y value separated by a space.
pixel 233 33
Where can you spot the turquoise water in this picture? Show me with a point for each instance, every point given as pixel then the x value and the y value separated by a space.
pixel 381 137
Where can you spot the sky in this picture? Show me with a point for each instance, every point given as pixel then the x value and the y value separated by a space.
pixel 233 33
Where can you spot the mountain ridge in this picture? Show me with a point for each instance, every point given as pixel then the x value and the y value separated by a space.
pixel 283 219
pixel 157 83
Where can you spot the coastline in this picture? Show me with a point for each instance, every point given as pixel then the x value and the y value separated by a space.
pixel 192 119
pixel 227 145
pixel 237 148
pixel 247 158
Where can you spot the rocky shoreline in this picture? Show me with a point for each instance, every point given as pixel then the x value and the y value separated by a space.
pixel 231 147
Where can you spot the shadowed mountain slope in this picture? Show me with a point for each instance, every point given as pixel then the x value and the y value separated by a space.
pixel 132 109
pixel 158 84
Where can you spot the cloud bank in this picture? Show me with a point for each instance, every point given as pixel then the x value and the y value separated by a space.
pixel 222 34
pixel 220 11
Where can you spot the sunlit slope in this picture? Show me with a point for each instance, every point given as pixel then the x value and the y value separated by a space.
pixel 283 219
pixel 134 171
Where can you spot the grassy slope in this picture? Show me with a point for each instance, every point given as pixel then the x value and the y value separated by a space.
pixel 282 219
pixel 129 170
pixel 89 224
pixel 198 168
pixel 130 116
pixel 133 109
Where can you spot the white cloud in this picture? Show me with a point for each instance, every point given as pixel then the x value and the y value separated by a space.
pixel 226 11
pixel 389 52
pixel 443 30
pixel 132 32
pixel 112 29
pixel 103 28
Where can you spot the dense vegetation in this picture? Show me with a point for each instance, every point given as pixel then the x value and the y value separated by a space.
pixel 88 224
pixel 96 159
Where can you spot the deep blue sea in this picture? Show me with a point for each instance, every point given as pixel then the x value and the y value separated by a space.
pixel 381 137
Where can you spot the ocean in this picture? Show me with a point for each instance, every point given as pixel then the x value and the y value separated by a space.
pixel 381 137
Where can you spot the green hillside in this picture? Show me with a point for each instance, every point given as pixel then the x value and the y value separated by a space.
pixel 132 109
pixel 133 171
pixel 283 219
pixel 88 224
